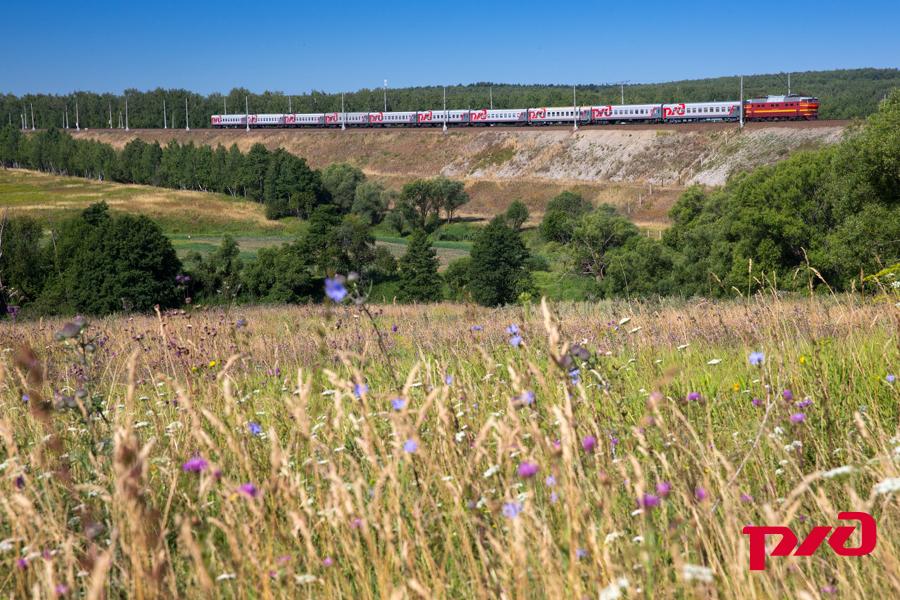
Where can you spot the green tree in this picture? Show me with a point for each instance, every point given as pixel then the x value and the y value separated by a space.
pixel 497 273
pixel 516 214
pixel 112 264
pixel 560 216
pixel 594 235
pixel 418 269
pixel 342 181
pixel 23 268
pixel 370 202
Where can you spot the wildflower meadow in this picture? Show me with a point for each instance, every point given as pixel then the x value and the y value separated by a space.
pixel 606 450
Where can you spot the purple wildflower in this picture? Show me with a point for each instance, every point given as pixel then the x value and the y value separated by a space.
pixel 550 481
pixel 527 470
pixel 575 376
pixel 410 446
pixel 241 323
pixel 26 398
pixel 20 482
pixel 663 488
pixel 700 494
pixel 511 510
pixel 334 289
pixel 248 489
pixel 61 589
pixel 527 397
pixel 804 403
pixel 515 341
pixel 476 328
pixel 756 358
pixel 448 379
pixel 356 523
pixel 756 402
pixel 829 589
pixel 581 553
pixel 394 328
pixel 22 563
pixel 327 561
pixel 788 395
pixel 255 428
pixel 554 497
pixel 613 441
pixel 890 378
pixel 398 403
pixel 513 329
pixel 797 418
pixel 649 501
pixel 589 443
pixel 195 465
pixel 693 396
pixel 746 497
pixel 360 389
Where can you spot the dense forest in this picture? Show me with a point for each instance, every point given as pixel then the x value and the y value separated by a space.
pixel 844 94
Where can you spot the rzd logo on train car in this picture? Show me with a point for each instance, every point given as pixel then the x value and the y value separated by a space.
pixel 479 115
pixel 331 118
pixel 290 119
pixel 788 543
pixel 537 113
pixel 598 112
pixel 425 116
pixel 673 111
pixel 376 117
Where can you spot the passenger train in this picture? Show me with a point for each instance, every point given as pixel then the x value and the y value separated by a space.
pixel 772 108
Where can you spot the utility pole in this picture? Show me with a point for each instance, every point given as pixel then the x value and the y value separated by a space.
pixel 126 114
pixel 165 120
pixel 385 95
pixel 574 110
pixel 622 92
pixel 343 114
pixel 32 116
pixel 247 112
pixel 225 104
pixel 789 84
pixel 492 97
pixel 187 116
pixel 290 107
pixel 742 102
pixel 66 120
pixel 110 114
pixel 77 126
pixel 445 109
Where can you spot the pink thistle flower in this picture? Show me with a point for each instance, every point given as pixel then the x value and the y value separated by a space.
pixel 527 469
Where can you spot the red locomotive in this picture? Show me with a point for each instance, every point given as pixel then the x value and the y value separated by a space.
pixel 792 107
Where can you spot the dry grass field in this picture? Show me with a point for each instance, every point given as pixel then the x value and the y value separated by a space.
pixel 611 450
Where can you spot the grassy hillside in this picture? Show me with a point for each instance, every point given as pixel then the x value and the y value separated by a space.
pixel 844 94
pixel 279 453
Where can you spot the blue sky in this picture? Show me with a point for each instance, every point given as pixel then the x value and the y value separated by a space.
pixel 53 46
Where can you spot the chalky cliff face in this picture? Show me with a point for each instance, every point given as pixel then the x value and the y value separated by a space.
pixel 639 168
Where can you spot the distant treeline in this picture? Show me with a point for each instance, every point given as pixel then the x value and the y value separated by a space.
pixel 844 94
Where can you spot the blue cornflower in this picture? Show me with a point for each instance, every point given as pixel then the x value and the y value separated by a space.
pixel 512 329
pixel 477 328
pixel 757 358
pixel 581 553
pixel 359 389
pixel 890 378
pixel 398 403
pixel 550 481
pixel 410 446
pixel 515 340
pixel 511 510
pixel 575 376
pixel 334 289
pixel 255 428
pixel 527 397
pixel 448 379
